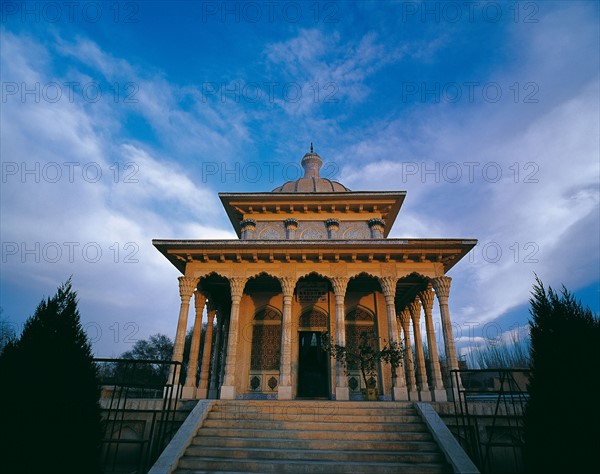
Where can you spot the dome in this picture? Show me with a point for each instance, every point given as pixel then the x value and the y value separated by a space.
pixel 311 182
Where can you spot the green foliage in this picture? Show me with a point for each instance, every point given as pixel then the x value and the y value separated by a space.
pixel 7 331
pixel 562 416
pixel 364 355
pixel 50 394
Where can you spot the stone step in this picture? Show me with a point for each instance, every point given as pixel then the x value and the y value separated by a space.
pixel 325 454
pixel 314 425
pixel 316 410
pixel 211 464
pixel 296 418
pixel 348 434
pixel 208 442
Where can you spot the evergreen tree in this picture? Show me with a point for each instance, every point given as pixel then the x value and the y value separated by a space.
pixel 50 396
pixel 562 416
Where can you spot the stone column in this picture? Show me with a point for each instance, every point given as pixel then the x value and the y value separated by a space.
pixel 228 388
pixel 441 285
pixel 213 388
pixel 388 285
pixel 205 367
pixel 291 226
pixel 415 313
pixel 189 390
pixel 187 285
pixel 437 386
pixel 408 359
pixel 223 355
pixel 284 390
pixel 341 381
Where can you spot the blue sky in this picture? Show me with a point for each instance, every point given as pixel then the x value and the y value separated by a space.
pixel 121 121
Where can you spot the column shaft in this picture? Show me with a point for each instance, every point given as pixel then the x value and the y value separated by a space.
pixel 205 367
pixel 388 285
pixel 228 388
pixel 187 285
pixel 415 312
pixel 284 390
pixel 437 385
pixel 189 390
pixel 341 381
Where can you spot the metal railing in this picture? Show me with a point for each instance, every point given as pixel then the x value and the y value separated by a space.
pixel 495 430
pixel 135 433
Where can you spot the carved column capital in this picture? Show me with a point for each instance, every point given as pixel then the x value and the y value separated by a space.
pixel 404 317
pixel 415 310
pixel 339 284
pixel 426 296
pixel 441 285
pixel 237 285
pixel 287 286
pixel 199 300
pixel 388 286
pixel 187 285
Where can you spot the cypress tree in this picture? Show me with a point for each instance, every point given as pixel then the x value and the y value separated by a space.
pixel 562 417
pixel 50 396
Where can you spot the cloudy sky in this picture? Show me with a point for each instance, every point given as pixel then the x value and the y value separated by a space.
pixel 121 121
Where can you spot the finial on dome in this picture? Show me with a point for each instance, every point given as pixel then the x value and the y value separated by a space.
pixel 311 148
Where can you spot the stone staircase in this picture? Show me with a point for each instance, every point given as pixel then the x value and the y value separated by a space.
pixel 271 436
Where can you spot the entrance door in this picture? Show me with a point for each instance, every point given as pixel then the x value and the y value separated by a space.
pixel 312 366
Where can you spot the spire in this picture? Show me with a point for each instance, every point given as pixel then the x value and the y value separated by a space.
pixel 311 163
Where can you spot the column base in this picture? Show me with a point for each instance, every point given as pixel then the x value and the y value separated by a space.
pixel 213 394
pixel 425 395
pixel 284 392
pixel 452 394
pixel 342 393
pixel 440 395
pixel 201 393
pixel 188 392
pixel 413 395
pixel 227 392
pixel 399 393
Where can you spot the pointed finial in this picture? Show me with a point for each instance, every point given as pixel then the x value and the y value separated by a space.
pixel 311 147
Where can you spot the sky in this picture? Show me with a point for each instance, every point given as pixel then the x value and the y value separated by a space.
pixel 121 121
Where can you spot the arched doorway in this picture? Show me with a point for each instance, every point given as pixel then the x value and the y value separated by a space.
pixel 313 361
pixel 265 350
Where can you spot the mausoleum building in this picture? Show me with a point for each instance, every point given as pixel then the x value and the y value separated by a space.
pixel 313 257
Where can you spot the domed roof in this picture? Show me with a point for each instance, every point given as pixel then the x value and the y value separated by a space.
pixel 311 182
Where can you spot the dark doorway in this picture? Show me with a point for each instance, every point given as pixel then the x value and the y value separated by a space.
pixel 312 367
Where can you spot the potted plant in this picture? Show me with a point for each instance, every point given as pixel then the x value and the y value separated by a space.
pixel 364 355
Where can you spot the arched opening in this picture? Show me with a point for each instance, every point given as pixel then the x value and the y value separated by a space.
pixel 313 373
pixel 265 350
pixel 360 323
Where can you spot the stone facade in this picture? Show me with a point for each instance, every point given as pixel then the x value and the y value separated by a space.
pixel 310 262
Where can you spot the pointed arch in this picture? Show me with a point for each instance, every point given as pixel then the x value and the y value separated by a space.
pixel 314 318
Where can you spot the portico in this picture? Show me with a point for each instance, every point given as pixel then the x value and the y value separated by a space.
pixel 312 256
